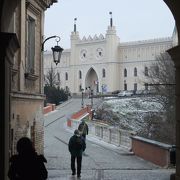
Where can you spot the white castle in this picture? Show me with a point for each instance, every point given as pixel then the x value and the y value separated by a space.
pixel 103 64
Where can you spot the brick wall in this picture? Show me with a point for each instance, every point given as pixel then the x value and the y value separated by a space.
pixel 153 151
pixel 49 108
pixel 80 113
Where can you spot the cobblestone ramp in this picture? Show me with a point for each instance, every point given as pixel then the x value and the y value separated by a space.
pixel 112 175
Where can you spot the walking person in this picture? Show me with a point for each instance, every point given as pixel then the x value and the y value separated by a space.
pixel 76 147
pixel 83 129
pixel 27 164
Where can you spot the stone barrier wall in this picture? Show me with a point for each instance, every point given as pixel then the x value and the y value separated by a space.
pixel 153 151
pixel 106 133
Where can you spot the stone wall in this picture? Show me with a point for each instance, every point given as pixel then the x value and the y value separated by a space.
pixel 156 152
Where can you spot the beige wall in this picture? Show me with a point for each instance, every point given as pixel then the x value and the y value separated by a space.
pixel 27 92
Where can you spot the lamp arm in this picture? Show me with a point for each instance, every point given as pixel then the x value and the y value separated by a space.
pixel 42 48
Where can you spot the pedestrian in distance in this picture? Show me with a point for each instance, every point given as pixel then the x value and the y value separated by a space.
pixel 76 147
pixel 27 164
pixel 83 129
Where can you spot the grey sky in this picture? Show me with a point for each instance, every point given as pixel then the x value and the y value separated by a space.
pixel 134 19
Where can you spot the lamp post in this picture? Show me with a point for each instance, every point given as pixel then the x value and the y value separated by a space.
pixel 82 102
pixel 91 99
pixel 57 50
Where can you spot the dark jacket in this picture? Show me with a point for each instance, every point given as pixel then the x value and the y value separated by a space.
pixel 27 167
pixel 83 128
pixel 76 145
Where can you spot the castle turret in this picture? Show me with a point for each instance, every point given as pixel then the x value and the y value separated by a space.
pixel 74 41
pixel 74 57
pixel 112 41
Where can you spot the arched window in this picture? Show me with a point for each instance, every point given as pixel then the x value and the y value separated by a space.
pixel 146 71
pixel 135 86
pixel 135 71
pixel 80 75
pixel 67 89
pixel 146 86
pixel 125 86
pixel 66 76
pixel 103 73
pixel 125 72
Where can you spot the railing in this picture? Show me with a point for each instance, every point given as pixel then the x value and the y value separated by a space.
pixel 109 134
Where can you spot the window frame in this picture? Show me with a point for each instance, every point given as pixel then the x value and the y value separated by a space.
pixel 30 43
pixel 80 74
pixel 66 76
pixel 125 72
pixel 103 73
pixel 135 72
pixel 146 73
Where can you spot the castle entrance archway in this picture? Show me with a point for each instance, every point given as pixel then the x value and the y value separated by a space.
pixel 92 82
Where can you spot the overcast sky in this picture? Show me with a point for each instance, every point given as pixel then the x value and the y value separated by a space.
pixel 134 19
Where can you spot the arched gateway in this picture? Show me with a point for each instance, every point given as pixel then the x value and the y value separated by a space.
pixel 91 81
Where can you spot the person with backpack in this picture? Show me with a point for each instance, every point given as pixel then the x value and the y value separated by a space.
pixel 27 164
pixel 76 147
pixel 83 129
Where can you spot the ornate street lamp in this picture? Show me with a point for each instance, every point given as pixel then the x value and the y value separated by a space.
pixel 57 50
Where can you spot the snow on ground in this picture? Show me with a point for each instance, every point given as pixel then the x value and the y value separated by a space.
pixel 142 104
pixel 131 110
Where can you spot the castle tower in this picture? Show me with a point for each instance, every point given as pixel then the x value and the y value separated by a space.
pixel 74 57
pixel 74 41
pixel 112 44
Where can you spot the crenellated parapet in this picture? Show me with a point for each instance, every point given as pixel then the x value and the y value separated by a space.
pixel 93 39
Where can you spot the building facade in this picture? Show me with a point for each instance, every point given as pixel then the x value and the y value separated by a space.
pixel 27 98
pixel 104 64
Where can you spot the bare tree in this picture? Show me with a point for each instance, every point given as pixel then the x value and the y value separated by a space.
pixel 51 77
pixel 161 77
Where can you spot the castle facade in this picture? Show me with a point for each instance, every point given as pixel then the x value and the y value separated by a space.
pixel 103 64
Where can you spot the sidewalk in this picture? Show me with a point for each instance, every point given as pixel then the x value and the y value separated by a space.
pixel 102 161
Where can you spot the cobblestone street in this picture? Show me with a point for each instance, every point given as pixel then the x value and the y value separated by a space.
pixel 101 160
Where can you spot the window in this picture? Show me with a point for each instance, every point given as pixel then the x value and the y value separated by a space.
pixel 67 89
pixel 103 73
pixel 146 86
pixel 135 86
pixel 80 88
pixel 66 76
pixel 125 86
pixel 80 75
pixel 146 71
pixel 135 71
pixel 58 76
pixel 125 72
pixel 30 45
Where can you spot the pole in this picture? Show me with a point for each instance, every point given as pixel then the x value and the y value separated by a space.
pixel 91 99
pixel 82 102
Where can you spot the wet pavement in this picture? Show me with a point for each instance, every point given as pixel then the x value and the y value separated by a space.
pixel 101 161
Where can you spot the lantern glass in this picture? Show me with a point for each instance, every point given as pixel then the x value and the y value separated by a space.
pixel 57 51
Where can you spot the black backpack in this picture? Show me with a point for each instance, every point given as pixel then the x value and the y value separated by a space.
pixel 78 145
